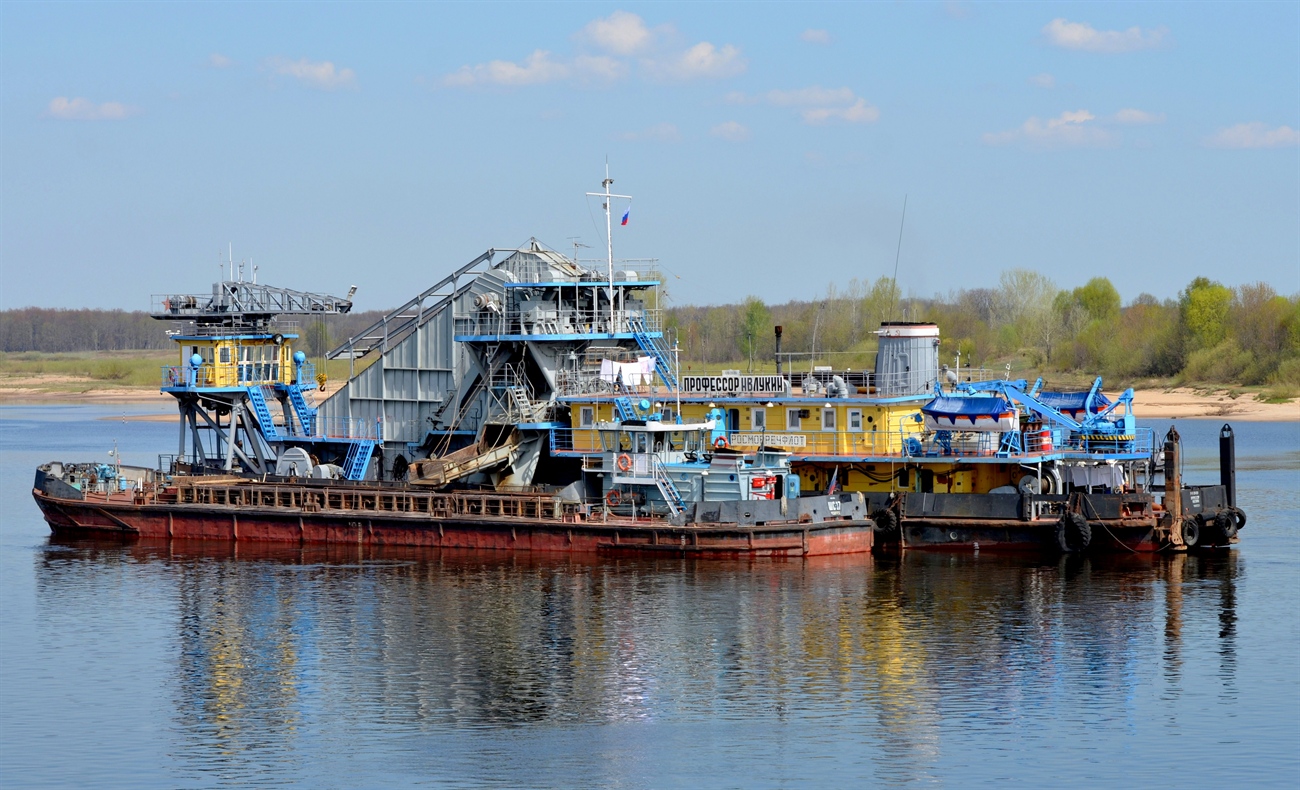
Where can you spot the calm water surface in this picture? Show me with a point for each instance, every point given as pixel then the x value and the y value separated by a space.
pixel 184 665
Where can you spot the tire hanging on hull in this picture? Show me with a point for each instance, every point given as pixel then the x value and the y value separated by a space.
pixel 1073 533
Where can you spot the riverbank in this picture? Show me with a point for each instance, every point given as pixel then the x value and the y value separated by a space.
pixel 1174 403
pixel 1187 403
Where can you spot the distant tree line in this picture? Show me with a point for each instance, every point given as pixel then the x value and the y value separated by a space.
pixel 51 330
pixel 1210 332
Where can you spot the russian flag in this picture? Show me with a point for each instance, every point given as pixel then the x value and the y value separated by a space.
pixel 625 215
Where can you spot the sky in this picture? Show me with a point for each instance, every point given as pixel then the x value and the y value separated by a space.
pixel 768 148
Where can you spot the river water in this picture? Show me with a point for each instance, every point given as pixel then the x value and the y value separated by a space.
pixel 180 665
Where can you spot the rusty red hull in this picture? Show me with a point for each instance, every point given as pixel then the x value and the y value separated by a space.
pixel 367 527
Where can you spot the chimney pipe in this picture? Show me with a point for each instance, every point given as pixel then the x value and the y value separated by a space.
pixel 779 329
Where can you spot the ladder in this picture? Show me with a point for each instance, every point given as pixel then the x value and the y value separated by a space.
pixel 263 412
pixel 306 412
pixel 654 346
pixel 666 487
pixel 520 403
pixel 358 460
pixel 624 408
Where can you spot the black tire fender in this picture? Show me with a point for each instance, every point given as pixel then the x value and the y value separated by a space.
pixel 886 521
pixel 1240 516
pixel 1073 533
pixel 1191 532
pixel 1225 524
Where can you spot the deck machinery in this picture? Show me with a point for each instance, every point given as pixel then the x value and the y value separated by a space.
pixel 245 396
pixel 463 381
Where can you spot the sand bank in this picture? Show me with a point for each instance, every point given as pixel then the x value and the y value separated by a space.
pixel 1181 402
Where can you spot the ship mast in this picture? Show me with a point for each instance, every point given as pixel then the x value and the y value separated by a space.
pixel 609 239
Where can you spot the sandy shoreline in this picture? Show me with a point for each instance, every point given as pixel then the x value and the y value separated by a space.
pixel 1177 403
pixel 1186 403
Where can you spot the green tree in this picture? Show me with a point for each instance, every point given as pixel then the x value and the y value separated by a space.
pixel 755 326
pixel 1099 298
pixel 1204 306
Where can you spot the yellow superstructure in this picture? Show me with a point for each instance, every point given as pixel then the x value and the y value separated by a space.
pixel 858 441
pixel 235 361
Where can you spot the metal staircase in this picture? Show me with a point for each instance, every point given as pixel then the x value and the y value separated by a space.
pixel 306 411
pixel 655 347
pixel 263 412
pixel 358 460
pixel 666 487
pixel 624 408
pixel 520 404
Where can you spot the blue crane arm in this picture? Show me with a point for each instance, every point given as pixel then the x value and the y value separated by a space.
pixel 1040 408
pixel 1126 398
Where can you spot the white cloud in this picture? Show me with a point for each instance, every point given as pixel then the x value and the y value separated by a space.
pixel 624 40
pixel 1254 135
pixel 621 33
pixel 218 61
pixel 733 131
pixel 599 68
pixel 1068 130
pixel 811 95
pixel 80 109
pixel 1135 117
pixel 660 133
pixel 817 105
pixel 1083 36
pixel 1043 80
pixel 322 75
pixel 815 36
pixel 858 112
pixel 702 61
pixel 536 69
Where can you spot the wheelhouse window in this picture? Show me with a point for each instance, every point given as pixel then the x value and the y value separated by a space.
pixel 758 418
pixel 792 421
pixel 586 416
pixel 828 419
pixel 855 419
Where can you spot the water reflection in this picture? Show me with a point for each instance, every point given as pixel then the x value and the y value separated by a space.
pixel 276 646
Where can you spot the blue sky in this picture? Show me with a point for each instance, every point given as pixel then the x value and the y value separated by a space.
pixel 768 147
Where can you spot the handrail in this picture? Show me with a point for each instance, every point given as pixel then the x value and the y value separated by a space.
pixel 666 486
pixel 409 321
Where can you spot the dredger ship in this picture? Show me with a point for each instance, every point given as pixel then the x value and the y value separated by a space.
pixel 527 401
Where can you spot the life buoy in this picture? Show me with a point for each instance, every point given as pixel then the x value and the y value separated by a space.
pixel 624 463
pixel 612 498
pixel 720 443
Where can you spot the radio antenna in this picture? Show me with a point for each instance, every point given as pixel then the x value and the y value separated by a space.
pixel 898 253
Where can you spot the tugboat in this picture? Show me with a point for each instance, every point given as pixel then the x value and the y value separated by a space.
pixel 988 464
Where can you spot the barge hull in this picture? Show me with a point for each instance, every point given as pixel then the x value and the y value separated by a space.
pixel 369 528
pixel 966 535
